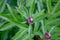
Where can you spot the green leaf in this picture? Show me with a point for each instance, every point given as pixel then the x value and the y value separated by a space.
pixel 11 12
pixel 20 25
pixel 53 22
pixel 51 29
pixel 49 6
pixel 40 5
pixel 56 33
pixel 20 3
pixel 1 2
pixel 55 8
pixel 22 12
pixel 42 26
pixel 36 27
pixel 39 16
pixel 32 6
pixel 55 15
pixel 19 34
pixel 39 33
pixel 26 37
pixel 2 23
pixel 4 35
pixel 6 26
pixel 3 5
pixel 4 18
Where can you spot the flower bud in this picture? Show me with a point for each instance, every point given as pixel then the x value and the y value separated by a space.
pixel 30 20
pixel 47 35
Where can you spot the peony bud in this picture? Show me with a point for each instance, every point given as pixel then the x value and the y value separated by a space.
pixel 30 20
pixel 47 35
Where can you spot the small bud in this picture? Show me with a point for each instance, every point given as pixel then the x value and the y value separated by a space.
pixel 30 20
pixel 47 35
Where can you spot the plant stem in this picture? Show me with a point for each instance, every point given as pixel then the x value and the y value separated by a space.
pixel 51 29
pixel 29 31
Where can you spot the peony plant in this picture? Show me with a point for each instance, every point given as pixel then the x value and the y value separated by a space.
pixel 30 20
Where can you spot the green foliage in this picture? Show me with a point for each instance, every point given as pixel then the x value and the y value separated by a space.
pixel 2 5
pixel 46 15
